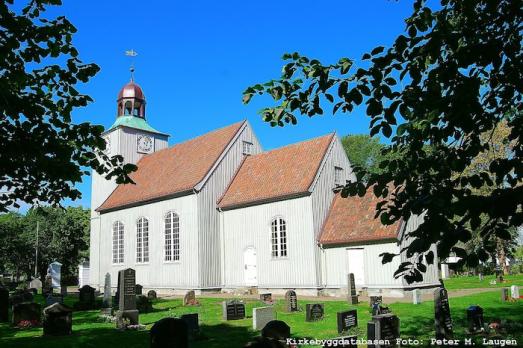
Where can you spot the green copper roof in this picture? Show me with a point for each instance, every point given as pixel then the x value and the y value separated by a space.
pixel 133 122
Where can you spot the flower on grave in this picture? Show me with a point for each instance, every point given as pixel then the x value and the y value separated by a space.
pixel 27 324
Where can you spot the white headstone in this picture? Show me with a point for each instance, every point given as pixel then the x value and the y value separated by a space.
pixel 481 277
pixel 444 271
pixel 514 292
pixel 416 296
pixel 83 274
pixel 54 270
pixel 35 284
pixel 261 316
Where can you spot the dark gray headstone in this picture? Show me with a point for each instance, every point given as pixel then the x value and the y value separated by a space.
pixel 276 329
pixel 169 333
pixel 4 304
pixel 116 301
pixel 47 286
pixel 193 326
pixel 151 294
pixel 86 298
pixel 139 289
pixel 57 320
pixel 30 312
pixel 385 327
pixel 347 320
pixel 108 298
pixel 291 301
pixel 127 313
pixel 442 318
pixel 353 295
pixel 314 311
pixel 266 298
pixel 475 319
pixel 233 310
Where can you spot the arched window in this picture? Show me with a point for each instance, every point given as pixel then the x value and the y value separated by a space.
pixel 136 110
pixel 142 240
pixel 279 237
pixel 172 237
pixel 118 231
pixel 128 108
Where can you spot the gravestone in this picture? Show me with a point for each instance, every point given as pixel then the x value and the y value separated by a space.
pixel 190 299
pixel 86 298
pixel 117 293
pixel 193 326
pixel 291 301
pixel 504 294
pixel 127 312
pixel 63 289
pixel 442 318
pixel 55 271
pixel 276 329
pixel 233 310
pixel 416 296
pixel 57 320
pixel 52 299
pixel 261 316
pixel 514 292
pixel 143 304
pixel 266 298
pixel 36 283
pixel 475 319
pixel 139 289
pixel 47 287
pixel 30 312
pixel 4 305
pixel 107 303
pixel 314 311
pixel 169 333
pixel 27 296
pixel 353 296
pixel 347 320
pixel 385 327
pixel 480 276
pixel 151 294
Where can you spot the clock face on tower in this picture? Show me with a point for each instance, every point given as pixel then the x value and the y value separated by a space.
pixel 145 144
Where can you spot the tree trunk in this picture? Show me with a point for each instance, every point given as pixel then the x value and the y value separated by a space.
pixel 502 259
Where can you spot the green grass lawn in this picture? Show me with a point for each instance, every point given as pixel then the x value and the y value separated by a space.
pixel 472 282
pixel 416 322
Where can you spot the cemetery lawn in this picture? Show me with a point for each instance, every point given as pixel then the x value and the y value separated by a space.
pixel 473 282
pixel 416 321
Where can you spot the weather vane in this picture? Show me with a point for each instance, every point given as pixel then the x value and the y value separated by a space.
pixel 131 53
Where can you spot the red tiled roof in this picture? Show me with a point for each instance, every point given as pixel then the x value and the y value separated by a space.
pixel 173 170
pixel 352 220
pixel 279 173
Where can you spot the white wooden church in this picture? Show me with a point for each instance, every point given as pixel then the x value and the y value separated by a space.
pixel 218 213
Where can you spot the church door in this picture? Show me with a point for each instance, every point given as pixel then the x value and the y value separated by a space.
pixel 250 272
pixel 356 265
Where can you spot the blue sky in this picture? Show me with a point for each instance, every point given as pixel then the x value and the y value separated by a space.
pixel 195 58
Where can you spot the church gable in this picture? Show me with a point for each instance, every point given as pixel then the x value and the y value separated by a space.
pixel 173 171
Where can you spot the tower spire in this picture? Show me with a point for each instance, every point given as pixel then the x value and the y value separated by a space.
pixel 131 53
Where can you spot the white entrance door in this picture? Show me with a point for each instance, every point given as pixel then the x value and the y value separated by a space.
pixel 250 272
pixel 356 265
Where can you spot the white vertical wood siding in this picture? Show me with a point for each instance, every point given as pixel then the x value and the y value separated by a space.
pixel 209 216
pixel 156 273
pixel 128 139
pixel 251 227
pixel 376 274
pixel 431 276
pixel 322 194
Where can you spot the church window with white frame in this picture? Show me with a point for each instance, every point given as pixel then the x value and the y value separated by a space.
pixel 279 237
pixel 142 240
pixel 338 175
pixel 247 148
pixel 118 251
pixel 172 237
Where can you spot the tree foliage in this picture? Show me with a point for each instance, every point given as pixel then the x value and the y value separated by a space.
pixel 364 151
pixel 452 76
pixel 43 153
pixel 63 236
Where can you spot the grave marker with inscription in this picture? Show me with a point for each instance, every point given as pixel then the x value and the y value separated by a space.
pixel 384 327
pixel 190 299
pixel 291 301
pixel 107 304
pixel 416 296
pixel 233 310
pixel 504 294
pixel 514 292
pixel 314 311
pixel 353 296
pixel 193 326
pixel 57 320
pixel 261 316
pixel 266 298
pixel 347 320
pixel 442 318
pixel 127 312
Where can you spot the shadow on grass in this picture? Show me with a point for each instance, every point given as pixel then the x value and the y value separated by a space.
pixel 213 336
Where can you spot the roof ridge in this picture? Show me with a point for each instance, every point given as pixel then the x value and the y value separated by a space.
pixel 295 144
